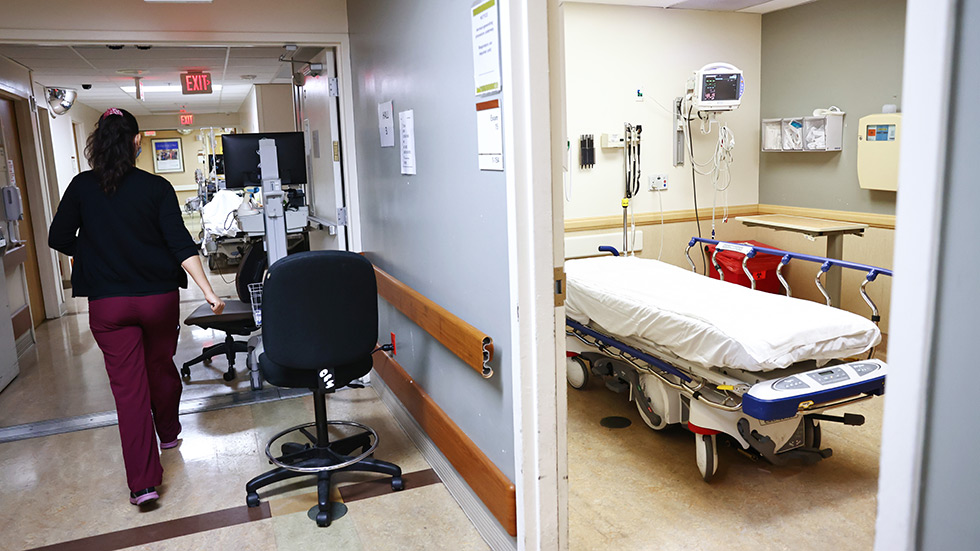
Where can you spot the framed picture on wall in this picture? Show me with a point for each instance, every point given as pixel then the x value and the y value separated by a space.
pixel 167 155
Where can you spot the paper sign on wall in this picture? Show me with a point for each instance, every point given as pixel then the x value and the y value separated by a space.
pixel 406 126
pixel 386 124
pixel 489 136
pixel 486 50
pixel 10 170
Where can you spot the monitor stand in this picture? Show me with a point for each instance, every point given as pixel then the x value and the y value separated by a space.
pixel 272 199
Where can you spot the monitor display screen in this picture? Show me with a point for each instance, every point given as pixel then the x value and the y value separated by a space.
pixel 720 87
pixel 241 158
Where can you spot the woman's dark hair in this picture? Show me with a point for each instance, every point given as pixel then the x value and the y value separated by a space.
pixel 110 149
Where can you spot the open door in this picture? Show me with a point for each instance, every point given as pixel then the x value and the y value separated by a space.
pixel 11 141
pixel 318 113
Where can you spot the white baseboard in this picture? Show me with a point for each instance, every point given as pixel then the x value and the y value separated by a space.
pixel 481 517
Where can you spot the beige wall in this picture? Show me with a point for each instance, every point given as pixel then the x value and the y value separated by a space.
pixel 138 20
pixel 249 112
pixel 189 145
pixel 610 52
pixel 275 106
pixel 268 108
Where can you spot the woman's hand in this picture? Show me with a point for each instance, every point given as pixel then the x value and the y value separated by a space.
pixel 217 305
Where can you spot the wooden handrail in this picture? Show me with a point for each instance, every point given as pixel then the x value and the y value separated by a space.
pixel 471 345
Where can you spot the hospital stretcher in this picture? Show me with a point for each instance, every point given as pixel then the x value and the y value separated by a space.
pixel 719 358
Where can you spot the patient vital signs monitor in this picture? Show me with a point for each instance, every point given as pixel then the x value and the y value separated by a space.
pixel 718 87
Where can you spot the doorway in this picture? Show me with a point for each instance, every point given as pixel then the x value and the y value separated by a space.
pixel 11 142
pixel 63 140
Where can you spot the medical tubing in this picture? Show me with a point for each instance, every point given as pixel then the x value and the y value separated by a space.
pixel 694 189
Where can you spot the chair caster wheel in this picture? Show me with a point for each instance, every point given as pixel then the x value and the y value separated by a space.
pixel 397 484
pixel 185 372
pixel 252 499
pixel 323 519
pixel 207 362
pixel 229 375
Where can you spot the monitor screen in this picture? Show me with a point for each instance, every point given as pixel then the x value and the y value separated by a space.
pixel 720 87
pixel 241 158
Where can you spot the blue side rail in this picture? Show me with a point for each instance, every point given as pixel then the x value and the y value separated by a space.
pixel 750 251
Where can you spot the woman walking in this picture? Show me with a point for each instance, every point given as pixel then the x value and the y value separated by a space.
pixel 123 227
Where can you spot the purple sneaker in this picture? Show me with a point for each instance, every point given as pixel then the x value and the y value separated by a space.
pixel 168 445
pixel 144 496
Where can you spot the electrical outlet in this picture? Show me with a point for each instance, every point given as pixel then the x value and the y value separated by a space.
pixel 658 182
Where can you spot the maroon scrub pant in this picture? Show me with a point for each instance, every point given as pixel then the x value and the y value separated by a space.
pixel 138 337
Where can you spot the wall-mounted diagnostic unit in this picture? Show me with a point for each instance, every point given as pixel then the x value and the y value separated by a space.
pixel 879 136
pixel 718 87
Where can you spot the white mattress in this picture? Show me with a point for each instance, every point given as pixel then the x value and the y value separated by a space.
pixel 708 322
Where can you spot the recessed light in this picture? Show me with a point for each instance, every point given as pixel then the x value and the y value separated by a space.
pixel 248 77
pixel 131 72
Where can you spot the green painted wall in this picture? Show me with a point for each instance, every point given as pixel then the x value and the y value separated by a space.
pixel 830 52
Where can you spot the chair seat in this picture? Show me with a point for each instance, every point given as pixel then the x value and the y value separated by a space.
pixel 280 375
pixel 236 318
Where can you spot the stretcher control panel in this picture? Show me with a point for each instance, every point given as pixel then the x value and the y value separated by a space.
pixel 784 397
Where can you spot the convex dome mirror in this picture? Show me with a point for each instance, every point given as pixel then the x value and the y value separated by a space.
pixel 60 100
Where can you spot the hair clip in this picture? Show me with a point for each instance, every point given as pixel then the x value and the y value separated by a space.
pixel 111 111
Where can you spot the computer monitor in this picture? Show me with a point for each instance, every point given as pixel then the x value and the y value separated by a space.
pixel 241 156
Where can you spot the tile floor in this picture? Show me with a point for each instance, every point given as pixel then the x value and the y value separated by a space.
pixel 69 490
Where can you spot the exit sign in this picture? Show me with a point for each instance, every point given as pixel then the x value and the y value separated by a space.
pixel 186 119
pixel 195 83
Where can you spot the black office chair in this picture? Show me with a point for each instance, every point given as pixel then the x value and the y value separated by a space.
pixel 319 330
pixel 236 319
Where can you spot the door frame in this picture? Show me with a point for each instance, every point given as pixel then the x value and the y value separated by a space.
pixel 38 198
pixel 930 30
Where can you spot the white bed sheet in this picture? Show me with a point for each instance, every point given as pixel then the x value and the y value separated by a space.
pixel 709 322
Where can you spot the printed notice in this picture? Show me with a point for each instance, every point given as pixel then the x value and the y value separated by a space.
pixel 406 127
pixel 489 135
pixel 386 124
pixel 486 47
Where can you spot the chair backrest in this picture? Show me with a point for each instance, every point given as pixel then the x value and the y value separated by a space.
pixel 320 310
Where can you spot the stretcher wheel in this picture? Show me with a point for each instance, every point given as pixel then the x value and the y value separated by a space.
pixel 577 372
pixel 811 433
pixel 707 455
